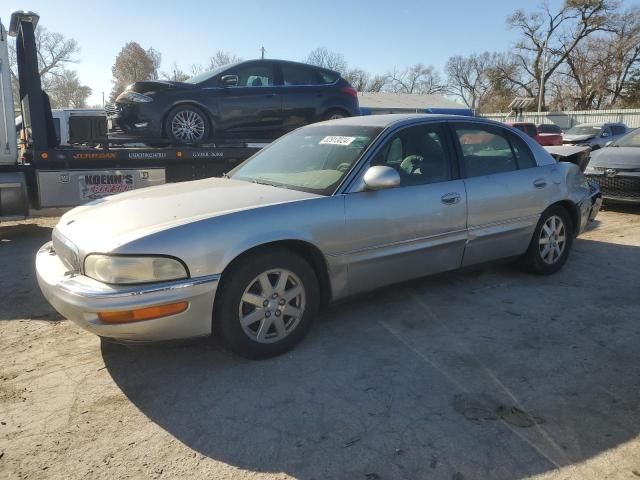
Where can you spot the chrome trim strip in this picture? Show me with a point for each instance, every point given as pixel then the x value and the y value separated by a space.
pixel 133 291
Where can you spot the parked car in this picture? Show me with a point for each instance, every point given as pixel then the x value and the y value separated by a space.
pixel 617 169
pixel 258 99
pixel 544 139
pixel 327 211
pixel 549 134
pixel 594 135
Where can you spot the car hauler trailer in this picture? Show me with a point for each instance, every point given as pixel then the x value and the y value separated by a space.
pixel 38 173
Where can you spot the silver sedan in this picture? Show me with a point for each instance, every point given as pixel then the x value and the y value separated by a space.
pixel 327 211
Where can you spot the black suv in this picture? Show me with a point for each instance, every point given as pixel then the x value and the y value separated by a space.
pixel 252 100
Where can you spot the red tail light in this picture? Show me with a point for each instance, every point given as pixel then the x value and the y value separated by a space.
pixel 349 91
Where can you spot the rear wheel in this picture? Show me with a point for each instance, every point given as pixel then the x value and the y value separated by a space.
pixel 551 242
pixel 266 304
pixel 187 125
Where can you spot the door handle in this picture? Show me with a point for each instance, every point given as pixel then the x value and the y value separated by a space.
pixel 540 183
pixel 269 95
pixel 450 198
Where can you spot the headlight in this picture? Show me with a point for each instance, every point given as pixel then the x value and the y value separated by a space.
pixel 120 269
pixel 133 97
pixel 589 170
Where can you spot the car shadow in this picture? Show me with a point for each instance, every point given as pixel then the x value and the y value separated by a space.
pixel 485 373
pixel 20 295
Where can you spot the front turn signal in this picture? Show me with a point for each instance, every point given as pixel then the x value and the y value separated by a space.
pixel 140 314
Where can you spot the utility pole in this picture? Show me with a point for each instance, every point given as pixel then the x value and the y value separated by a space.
pixel 103 98
pixel 542 74
pixel 262 52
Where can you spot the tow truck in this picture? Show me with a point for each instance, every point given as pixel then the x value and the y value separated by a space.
pixel 36 172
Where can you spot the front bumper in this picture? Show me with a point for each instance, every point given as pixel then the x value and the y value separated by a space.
pixel 621 187
pixel 133 119
pixel 79 298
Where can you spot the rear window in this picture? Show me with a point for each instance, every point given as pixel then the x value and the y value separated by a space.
pixel 328 76
pixel 299 75
pixel 549 128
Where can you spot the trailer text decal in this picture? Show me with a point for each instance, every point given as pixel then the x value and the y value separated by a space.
pixel 98 186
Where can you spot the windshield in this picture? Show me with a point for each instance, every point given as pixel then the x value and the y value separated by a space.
pixel 547 128
pixel 312 159
pixel 630 140
pixel 584 130
pixel 207 75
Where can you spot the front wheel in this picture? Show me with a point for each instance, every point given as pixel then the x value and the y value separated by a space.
pixel 266 304
pixel 551 242
pixel 187 125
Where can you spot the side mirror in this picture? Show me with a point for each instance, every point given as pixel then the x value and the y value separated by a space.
pixel 381 177
pixel 229 80
pixel 604 134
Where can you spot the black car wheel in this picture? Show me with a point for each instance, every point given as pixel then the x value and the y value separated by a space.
pixel 187 125
pixel 551 242
pixel 265 304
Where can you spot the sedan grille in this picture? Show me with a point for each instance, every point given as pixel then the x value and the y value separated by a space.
pixel 111 108
pixel 67 251
pixel 617 186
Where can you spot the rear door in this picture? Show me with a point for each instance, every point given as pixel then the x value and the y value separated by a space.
pixel 254 105
pixel 506 190
pixel 415 229
pixel 303 94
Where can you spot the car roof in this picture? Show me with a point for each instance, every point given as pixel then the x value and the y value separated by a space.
pixel 396 119
pixel 289 62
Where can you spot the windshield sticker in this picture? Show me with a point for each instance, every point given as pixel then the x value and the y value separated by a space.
pixel 337 140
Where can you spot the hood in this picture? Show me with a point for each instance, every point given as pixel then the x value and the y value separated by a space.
pixel 576 138
pixel 616 157
pixel 152 86
pixel 105 224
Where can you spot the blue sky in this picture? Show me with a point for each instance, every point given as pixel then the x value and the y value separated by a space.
pixel 374 35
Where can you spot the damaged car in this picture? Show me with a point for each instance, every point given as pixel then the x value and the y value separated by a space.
pixel 328 211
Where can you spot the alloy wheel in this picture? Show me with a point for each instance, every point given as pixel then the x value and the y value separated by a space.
pixel 272 306
pixel 553 239
pixel 187 126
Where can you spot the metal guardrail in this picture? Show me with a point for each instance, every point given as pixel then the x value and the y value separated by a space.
pixel 567 119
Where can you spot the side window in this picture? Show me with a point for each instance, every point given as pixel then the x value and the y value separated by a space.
pixel 522 152
pixel 327 76
pixel 618 129
pixel 254 75
pixel 295 75
pixel 419 154
pixel 485 150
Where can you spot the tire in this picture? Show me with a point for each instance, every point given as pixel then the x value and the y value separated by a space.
pixel 335 115
pixel 272 323
pixel 551 242
pixel 187 125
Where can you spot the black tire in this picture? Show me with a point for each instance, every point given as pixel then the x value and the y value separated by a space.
pixel 201 126
pixel 229 305
pixel 533 261
pixel 334 114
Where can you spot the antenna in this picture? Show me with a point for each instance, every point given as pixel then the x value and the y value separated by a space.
pixel 262 52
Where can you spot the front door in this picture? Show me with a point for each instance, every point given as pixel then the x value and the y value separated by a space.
pixel 416 229
pixel 253 107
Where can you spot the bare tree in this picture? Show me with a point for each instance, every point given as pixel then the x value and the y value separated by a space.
pixel 321 57
pixel 363 81
pixel 133 64
pixel 549 37
pixel 221 58
pixel 66 91
pixel 176 74
pixel 54 52
pixel 631 91
pixel 418 78
pixel 471 78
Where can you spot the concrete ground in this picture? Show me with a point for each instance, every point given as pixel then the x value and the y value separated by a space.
pixel 488 373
